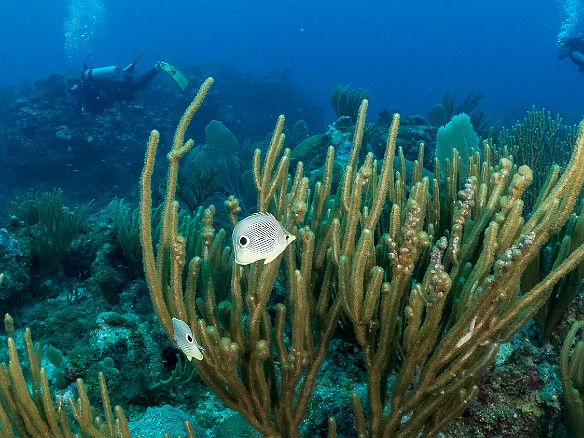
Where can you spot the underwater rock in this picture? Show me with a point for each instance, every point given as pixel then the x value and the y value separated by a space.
pixel 312 151
pixel 9 245
pixel 416 120
pixel 437 115
pixel 14 268
pixel 164 419
pixel 409 138
pixel 51 89
pixel 126 352
pixel 236 426
pixel 107 277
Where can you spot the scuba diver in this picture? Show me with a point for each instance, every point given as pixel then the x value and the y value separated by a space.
pixel 99 88
pixel 573 48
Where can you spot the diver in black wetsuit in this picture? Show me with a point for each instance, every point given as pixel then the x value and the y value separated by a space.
pixel 574 49
pixel 99 88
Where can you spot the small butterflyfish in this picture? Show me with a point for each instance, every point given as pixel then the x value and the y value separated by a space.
pixel 259 237
pixel 185 340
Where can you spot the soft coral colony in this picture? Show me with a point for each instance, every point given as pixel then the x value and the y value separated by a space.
pixel 426 277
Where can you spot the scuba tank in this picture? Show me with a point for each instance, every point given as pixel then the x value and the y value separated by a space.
pixel 101 73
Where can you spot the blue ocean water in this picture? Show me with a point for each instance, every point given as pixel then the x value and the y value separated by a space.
pixel 407 53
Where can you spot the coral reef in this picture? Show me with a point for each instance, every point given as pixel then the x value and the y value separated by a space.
pixel 46 145
pixel 403 294
pixel 427 289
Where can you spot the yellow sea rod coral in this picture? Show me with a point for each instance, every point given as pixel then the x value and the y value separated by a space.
pixel 426 280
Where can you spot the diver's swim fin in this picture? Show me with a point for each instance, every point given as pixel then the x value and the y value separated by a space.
pixel 132 64
pixel 180 78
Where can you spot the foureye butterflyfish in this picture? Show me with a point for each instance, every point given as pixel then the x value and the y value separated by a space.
pixel 183 336
pixel 259 237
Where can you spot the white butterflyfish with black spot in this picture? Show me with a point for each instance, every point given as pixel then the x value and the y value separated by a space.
pixel 183 336
pixel 259 237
